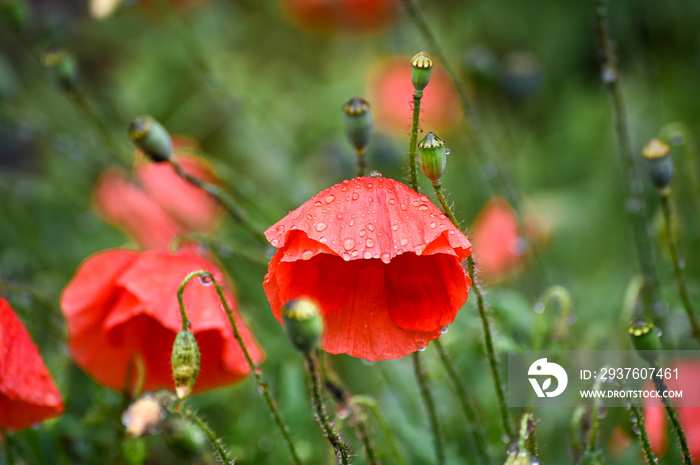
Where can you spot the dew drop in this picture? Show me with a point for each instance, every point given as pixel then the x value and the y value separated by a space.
pixel 349 243
pixel 415 203
pixel 346 256
pixel 344 188
pixel 539 307
pixel 451 231
pixel 318 203
pixel 206 280
pixel 323 240
pixel 433 225
pixel 339 216
pixel 330 198
pixel 355 196
pixel 404 241
pixel 369 185
pixel 369 243
pixel 403 206
pixel 443 330
pixel 392 202
pixel 375 174
pixel 370 226
pixel 320 227
pixel 367 255
pixel 355 253
pixel 447 151
pixel 352 223
pixel 362 233
pixel 395 227
pixel 310 216
pixel 306 254
pixel 385 257
pixel 275 242
pixel 423 207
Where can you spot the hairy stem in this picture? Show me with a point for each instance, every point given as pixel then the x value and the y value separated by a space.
pixel 637 209
pixel 429 403
pixel 674 247
pixel 214 440
pixel 372 405
pixel 260 381
pixel 339 447
pixel 641 432
pixel 673 417
pixel 413 144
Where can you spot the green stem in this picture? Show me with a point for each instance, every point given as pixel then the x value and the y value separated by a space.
pixel 560 294
pixel 224 199
pixel 525 422
pixel 466 402
pixel 215 441
pixel 339 447
pixel 361 162
pixel 363 434
pixel 672 239
pixel 260 381
pixel 413 144
pixel 429 403
pixel 641 432
pixel 595 420
pixel 673 416
pixel 635 188
pixel 372 405
pixel 8 440
pixel 481 305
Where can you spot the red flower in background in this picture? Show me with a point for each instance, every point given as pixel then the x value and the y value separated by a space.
pixel 28 394
pixel 157 205
pixel 381 260
pixel 123 304
pixel 496 240
pixel 655 415
pixel 391 92
pixel 329 16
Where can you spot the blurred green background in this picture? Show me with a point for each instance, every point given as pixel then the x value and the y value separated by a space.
pixel 262 96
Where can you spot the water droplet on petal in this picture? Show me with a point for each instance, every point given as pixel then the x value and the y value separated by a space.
pixel 395 227
pixel 339 216
pixel 385 257
pixel 206 280
pixel 344 188
pixel 275 242
pixel 362 233
pixel 415 203
pixel 320 227
pixel 318 203
pixel 443 330
pixel 330 198
pixel 369 243
pixel 306 254
pixel 355 196
pixel 346 256
pixel 352 223
pixel 349 243
pixel 404 241
pixel 367 255
pixel 403 206
pixel 433 225
pixel 370 226
pixel 375 174
pixel 423 207
pixel 355 253
pixel 369 185
pixel 323 240
pixel 392 202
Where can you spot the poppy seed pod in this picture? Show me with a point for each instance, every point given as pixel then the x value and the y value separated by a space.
pixel 63 65
pixel 433 156
pixel 151 137
pixel 645 339
pixel 303 323
pixel 359 125
pixel 421 65
pixel 185 361
pixel 659 163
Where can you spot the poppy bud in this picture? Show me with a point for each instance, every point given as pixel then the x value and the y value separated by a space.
pixel 183 438
pixel 63 65
pixel 151 137
pixel 659 163
pixel 433 156
pixel 421 64
pixel 15 14
pixel 645 339
pixel 185 363
pixel 358 122
pixel 144 415
pixel 303 322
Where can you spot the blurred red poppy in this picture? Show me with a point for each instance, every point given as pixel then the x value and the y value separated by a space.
pixel 655 415
pixel 382 261
pixel 157 205
pixel 121 306
pixel 28 394
pixel 498 248
pixel 391 93
pixel 331 16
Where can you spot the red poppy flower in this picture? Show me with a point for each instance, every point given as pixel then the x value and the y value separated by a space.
pixel 655 415
pixel 157 205
pixel 329 16
pixel 391 92
pixel 122 304
pixel 382 261
pixel 28 394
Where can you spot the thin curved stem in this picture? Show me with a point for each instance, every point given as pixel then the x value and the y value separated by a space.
pixel 429 403
pixel 673 417
pixel 372 405
pixel 339 447
pixel 413 144
pixel 224 199
pixel 214 440
pixel 260 381
pixel 672 240
pixel 641 432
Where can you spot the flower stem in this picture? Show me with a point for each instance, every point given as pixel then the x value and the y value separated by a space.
pixel 260 381
pixel 673 416
pixel 466 402
pixel 224 199
pixel 413 144
pixel 361 162
pixel 429 403
pixel 561 327
pixel 372 405
pixel 641 431
pixel 595 419
pixel 481 305
pixel 635 188
pixel 339 447
pixel 672 239
pixel 215 441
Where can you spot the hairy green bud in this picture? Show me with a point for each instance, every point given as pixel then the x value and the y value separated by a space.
pixel 302 320
pixel 421 66
pixel 433 156
pixel 185 362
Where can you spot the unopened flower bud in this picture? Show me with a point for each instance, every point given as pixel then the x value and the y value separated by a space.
pixel 421 65
pixel 185 361
pixel 183 438
pixel 144 415
pixel 659 163
pixel 433 156
pixel 358 122
pixel 63 66
pixel 302 320
pixel 151 137
pixel 645 339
